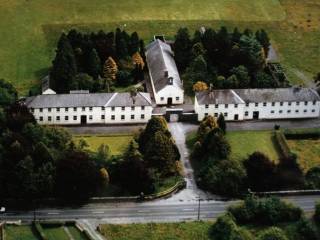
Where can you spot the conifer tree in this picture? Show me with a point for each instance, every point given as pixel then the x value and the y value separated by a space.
pixel 134 43
pixel 138 60
pixel 222 123
pixel 110 69
pixel 93 64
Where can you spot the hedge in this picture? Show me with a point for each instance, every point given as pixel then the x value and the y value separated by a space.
pixel 302 133
pixel 282 144
pixel 40 231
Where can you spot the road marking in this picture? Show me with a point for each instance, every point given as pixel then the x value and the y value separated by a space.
pixel 101 212
pixel 188 209
pixel 53 213
pixel 143 211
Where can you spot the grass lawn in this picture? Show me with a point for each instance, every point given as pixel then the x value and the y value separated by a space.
pixel 308 152
pixel 116 143
pixel 158 231
pixel 29 29
pixel 76 234
pixel 20 233
pixel 54 233
pixel 243 143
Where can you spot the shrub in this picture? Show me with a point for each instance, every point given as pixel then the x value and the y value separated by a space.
pixel 302 133
pixel 272 233
pixel 317 213
pixel 305 230
pixel 313 178
pixel 282 144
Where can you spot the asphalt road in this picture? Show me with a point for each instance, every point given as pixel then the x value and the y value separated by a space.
pixel 144 212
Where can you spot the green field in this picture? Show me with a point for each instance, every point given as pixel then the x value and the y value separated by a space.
pixel 20 233
pixel 308 152
pixel 243 143
pixel 116 143
pixel 29 29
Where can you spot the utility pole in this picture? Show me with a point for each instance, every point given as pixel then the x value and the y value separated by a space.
pixel 199 209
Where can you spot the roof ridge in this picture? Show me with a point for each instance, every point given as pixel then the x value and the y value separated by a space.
pixel 148 100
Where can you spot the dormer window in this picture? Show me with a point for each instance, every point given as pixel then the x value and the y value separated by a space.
pixel 170 80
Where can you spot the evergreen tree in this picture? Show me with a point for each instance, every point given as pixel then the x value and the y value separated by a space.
pixel 243 78
pixel 182 48
pixel 134 43
pixel 207 124
pixel 93 64
pixel 236 35
pixel 121 40
pixel 8 93
pixel 64 67
pixel 263 38
pixel 222 123
pixel 110 69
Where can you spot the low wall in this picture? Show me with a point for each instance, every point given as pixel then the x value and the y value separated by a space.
pixel 287 193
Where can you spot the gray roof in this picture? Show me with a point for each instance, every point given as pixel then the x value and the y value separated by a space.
pixel 293 94
pixel 87 100
pixel 225 96
pixel 160 59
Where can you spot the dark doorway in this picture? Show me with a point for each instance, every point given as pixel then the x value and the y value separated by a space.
pixel 169 101
pixel 256 115
pixel 83 119
pixel 236 117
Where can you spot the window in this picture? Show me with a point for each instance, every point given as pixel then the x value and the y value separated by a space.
pixel 305 103
pixel 83 109
pixel 66 118
pixel 49 119
pixel 90 117
pixel 206 114
pixel 236 106
pixel 305 110
pixel 58 118
pixel 226 105
pixel 90 108
pixel 216 106
pixel 177 98
pixel 142 116
pixel 247 104
pixel 216 114
pixel 58 109
pixel 32 110
pixel 74 109
pixel 142 108
pixel 75 118
pixel 132 108
pixel 113 117
pixel 280 111
pixel 123 108
pixel 103 108
pixel 272 112
pixel 102 117
pixel 225 114
pixel 246 113
pixel 313 110
pixel 273 104
pixel 40 110
pixel 289 103
pixel 297 111
pixel 162 98
pixel 289 111
pixel 297 103
pixel 66 109
pixel 256 104
pixel 122 117
pixel 132 117
pixel 314 102
pixel 113 108
pixel 206 106
pixel 264 104
pixel 40 119
pixel 281 103
pixel 49 109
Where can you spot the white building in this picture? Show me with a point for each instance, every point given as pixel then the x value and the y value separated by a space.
pixel 246 104
pixel 167 87
pixel 82 107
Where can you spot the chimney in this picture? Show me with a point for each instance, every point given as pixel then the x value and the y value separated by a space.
pixel 166 73
pixel 211 91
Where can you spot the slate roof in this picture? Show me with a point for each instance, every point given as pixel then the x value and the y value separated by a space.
pixel 225 96
pixel 293 94
pixel 160 58
pixel 88 100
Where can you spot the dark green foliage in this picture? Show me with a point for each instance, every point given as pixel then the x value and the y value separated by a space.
pixel 305 230
pixel 272 233
pixel 93 64
pixel 302 133
pixel 264 80
pixel 242 75
pixel 317 213
pixel 265 211
pixel 124 78
pixel 182 48
pixel 207 124
pixel 83 81
pixel 225 228
pixel 8 94
pixel 264 40
pixel 17 115
pixel 225 177
pixel 313 178
pixel 134 43
pixel 222 123
pixel 261 172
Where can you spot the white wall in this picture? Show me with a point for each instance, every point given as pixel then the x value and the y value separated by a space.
pixel 169 91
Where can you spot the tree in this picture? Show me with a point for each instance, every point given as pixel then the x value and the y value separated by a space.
pixel 93 64
pixel 306 230
pixel 231 82
pixel 272 233
pixel 8 93
pixel 83 81
pixel 110 69
pixel 263 38
pixel 242 74
pixel 134 43
pixel 207 124
pixel 41 155
pixel 104 175
pixel 313 178
pixel 226 177
pixel 264 80
pixel 317 81
pixel 138 60
pixel 260 171
pixel 198 49
pixel 17 116
pixel 124 78
pixel 64 67
pixel 317 213
pixel 122 40
pixel 182 48
pixel 222 123
pixel 200 86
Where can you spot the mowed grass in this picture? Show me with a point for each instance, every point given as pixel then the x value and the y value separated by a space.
pixel 158 231
pixel 308 152
pixel 54 233
pixel 20 233
pixel 76 234
pixel 116 143
pixel 29 29
pixel 244 143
